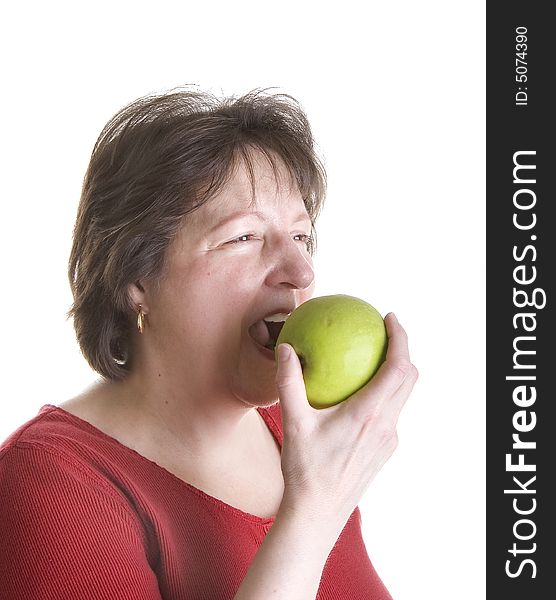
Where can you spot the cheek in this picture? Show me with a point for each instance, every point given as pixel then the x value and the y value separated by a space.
pixel 216 276
pixel 218 293
pixel 233 277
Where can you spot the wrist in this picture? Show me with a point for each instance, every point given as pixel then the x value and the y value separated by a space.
pixel 313 524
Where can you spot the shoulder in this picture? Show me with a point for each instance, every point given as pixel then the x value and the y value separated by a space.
pixel 49 473
pixel 53 433
pixel 53 458
pixel 61 513
pixel 37 431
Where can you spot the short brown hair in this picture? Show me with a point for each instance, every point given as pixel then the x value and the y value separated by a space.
pixel 157 160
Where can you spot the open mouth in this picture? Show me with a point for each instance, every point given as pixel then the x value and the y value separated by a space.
pixel 266 331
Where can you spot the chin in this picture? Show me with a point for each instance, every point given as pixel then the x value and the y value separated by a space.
pixel 253 378
pixel 262 404
pixel 256 395
pixel 257 400
pixel 267 403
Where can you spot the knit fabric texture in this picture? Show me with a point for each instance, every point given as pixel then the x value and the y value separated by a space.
pixel 84 517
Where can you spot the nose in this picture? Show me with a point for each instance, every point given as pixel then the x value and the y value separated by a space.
pixel 290 266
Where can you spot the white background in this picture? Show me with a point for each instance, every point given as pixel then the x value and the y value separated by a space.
pixel 395 94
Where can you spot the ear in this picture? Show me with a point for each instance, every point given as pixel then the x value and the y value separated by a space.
pixel 138 296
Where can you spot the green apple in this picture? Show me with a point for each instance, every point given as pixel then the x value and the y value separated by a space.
pixel 341 342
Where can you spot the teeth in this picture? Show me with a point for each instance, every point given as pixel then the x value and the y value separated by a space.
pixel 277 318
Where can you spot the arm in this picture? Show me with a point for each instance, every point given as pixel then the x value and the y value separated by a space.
pixel 64 536
pixel 329 457
pixel 289 562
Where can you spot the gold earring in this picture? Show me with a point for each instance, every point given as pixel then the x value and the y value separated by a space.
pixel 141 320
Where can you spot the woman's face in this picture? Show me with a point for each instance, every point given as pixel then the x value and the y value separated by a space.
pixel 233 263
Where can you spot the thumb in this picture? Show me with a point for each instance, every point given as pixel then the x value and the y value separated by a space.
pixel 290 384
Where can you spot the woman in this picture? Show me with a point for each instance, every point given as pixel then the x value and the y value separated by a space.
pixel 179 475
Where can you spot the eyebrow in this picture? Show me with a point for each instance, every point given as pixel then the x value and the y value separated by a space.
pixel 302 216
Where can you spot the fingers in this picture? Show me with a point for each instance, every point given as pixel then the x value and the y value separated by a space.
pixel 291 387
pixel 398 363
pixel 402 394
pixel 397 340
pixel 390 387
pixel 381 399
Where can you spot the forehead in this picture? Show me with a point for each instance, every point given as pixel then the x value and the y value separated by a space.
pixel 266 187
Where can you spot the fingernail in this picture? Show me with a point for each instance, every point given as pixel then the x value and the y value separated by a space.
pixel 283 352
pixel 393 317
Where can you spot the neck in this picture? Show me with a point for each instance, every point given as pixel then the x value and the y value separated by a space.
pixel 154 415
pixel 196 419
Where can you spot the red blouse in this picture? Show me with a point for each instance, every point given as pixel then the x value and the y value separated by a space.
pixel 84 517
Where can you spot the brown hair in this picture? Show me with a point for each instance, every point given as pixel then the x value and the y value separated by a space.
pixel 157 160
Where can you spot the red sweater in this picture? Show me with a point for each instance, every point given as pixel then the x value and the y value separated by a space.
pixel 84 517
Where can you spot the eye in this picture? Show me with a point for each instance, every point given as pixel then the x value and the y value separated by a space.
pixel 305 239
pixel 247 237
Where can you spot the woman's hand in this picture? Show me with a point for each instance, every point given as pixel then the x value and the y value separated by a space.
pixel 329 456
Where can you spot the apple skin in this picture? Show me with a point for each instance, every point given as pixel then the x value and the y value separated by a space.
pixel 341 342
